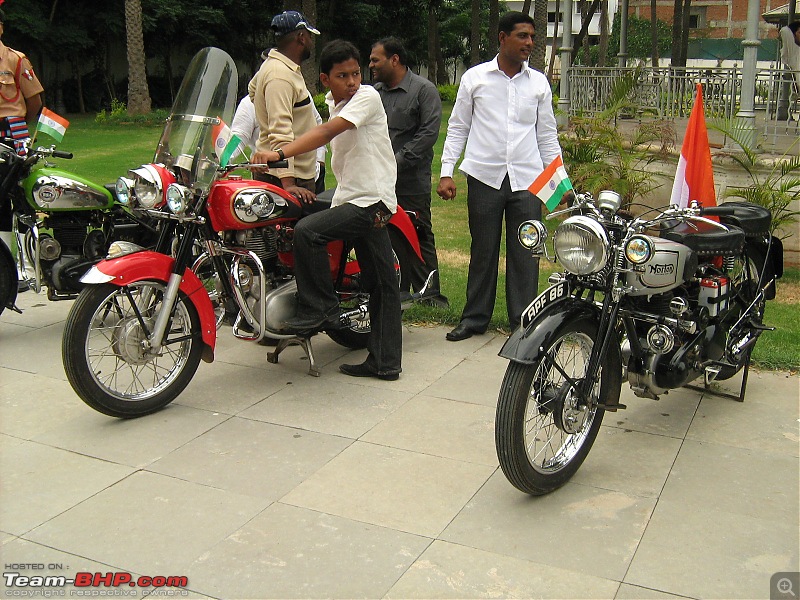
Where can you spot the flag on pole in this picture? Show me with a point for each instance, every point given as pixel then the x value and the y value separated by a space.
pixel 226 143
pixel 52 124
pixel 552 184
pixel 694 179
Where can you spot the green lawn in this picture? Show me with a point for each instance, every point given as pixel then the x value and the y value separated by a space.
pixel 103 152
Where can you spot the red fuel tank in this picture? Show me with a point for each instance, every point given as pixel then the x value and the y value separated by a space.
pixel 247 204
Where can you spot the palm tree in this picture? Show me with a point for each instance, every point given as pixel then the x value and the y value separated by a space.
pixel 138 92
pixel 540 34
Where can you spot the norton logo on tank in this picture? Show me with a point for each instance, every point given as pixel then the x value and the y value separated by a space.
pixel 662 269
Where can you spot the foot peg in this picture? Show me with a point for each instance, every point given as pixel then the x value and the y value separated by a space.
pixel 711 373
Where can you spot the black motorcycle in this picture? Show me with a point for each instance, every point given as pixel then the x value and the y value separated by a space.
pixel 660 300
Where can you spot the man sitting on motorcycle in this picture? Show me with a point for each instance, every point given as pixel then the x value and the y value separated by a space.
pixel 365 168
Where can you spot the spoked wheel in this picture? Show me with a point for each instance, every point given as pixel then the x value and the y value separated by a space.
pixel 543 430
pixel 357 334
pixel 105 350
pixel 745 279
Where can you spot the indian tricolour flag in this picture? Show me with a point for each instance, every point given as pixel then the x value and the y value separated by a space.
pixel 694 177
pixel 226 143
pixel 552 184
pixel 51 124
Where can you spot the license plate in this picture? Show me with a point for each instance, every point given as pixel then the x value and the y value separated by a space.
pixel 548 297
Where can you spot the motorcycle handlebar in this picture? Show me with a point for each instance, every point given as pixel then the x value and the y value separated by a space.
pixel 60 154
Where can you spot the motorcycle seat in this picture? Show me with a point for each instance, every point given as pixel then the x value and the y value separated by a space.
pixel 750 218
pixel 703 238
pixel 321 202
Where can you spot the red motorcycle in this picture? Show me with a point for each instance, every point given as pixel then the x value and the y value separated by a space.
pixel 136 334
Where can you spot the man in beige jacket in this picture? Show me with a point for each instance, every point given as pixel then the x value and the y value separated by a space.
pixel 284 106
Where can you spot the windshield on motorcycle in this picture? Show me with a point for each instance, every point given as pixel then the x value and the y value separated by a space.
pixel 204 105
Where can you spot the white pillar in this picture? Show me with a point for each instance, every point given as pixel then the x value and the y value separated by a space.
pixel 566 60
pixel 622 57
pixel 751 43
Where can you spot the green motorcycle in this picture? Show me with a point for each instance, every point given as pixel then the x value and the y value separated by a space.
pixel 60 224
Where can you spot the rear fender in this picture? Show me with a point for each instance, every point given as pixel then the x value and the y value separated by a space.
pixel 147 265
pixel 525 345
pixel 402 222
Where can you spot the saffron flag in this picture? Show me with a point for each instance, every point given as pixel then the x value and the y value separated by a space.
pixel 552 184
pixel 226 143
pixel 52 124
pixel 694 179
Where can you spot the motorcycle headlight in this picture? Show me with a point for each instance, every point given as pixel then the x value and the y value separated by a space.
pixel 124 190
pixel 147 186
pixel 532 234
pixel 639 249
pixel 178 198
pixel 581 245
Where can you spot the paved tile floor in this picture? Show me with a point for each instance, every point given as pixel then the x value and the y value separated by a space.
pixel 260 481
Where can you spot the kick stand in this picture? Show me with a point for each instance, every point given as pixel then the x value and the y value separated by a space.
pixel 706 389
pixel 304 343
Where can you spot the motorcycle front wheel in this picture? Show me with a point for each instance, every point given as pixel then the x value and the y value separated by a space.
pixel 543 432
pixel 104 349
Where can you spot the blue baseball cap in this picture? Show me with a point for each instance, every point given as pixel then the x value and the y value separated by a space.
pixel 289 21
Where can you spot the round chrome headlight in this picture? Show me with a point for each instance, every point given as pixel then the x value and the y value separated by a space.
pixel 124 189
pixel 581 245
pixel 639 249
pixel 532 234
pixel 147 186
pixel 178 198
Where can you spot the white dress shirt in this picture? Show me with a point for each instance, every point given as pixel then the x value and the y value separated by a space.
pixel 362 158
pixel 245 125
pixel 507 124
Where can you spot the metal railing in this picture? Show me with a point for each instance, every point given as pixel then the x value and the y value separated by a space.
pixel 668 92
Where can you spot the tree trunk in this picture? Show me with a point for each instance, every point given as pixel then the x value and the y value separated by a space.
pixel 653 34
pixel 540 35
pixel 494 22
pixel 677 34
pixel 76 71
pixel 433 41
pixel 475 33
pixel 138 92
pixel 583 33
pixel 554 47
pixel 685 32
pixel 601 61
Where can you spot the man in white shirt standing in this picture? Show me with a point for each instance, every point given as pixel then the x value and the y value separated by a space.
pixel 503 114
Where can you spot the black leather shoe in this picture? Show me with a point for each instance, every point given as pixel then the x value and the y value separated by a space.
pixel 317 323
pixel 462 332
pixel 363 370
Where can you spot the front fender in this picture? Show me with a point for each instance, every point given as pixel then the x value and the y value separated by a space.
pixel 148 265
pixel 524 345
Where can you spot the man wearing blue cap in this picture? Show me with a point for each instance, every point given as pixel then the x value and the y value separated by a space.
pixel 284 106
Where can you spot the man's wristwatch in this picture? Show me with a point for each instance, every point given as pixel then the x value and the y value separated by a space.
pixel 281 154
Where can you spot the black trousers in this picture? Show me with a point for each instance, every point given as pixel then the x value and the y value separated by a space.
pixel 488 208
pixel 414 272
pixel 315 292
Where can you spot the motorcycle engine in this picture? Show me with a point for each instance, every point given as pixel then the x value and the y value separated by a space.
pixel 678 331
pixel 279 301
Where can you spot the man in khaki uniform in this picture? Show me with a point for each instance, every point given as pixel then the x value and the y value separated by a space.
pixel 20 90
pixel 284 106
pixel 20 98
